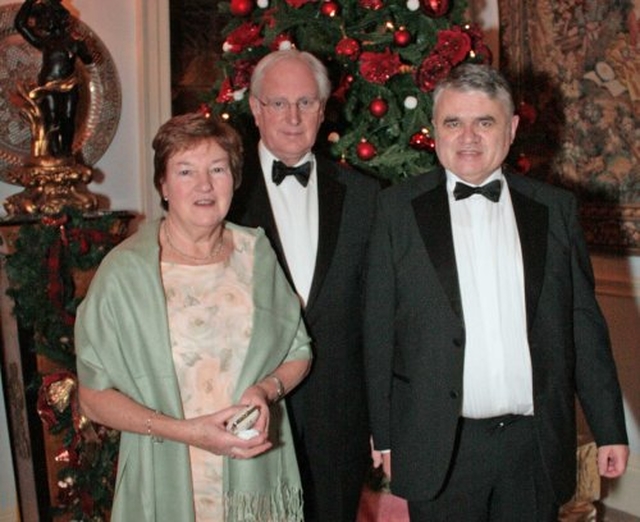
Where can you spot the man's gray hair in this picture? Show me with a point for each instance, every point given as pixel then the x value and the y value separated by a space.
pixel 477 77
pixel 316 66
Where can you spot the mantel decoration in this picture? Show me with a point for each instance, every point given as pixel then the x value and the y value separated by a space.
pixel 60 107
pixel 384 57
pixel 59 110
pixel 52 260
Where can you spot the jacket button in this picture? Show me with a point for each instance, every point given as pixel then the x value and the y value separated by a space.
pixel 454 394
pixel 457 343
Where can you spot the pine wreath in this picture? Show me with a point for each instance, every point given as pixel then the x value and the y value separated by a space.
pixel 49 253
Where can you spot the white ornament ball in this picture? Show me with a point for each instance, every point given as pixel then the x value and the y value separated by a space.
pixel 263 4
pixel 410 102
pixel 413 5
pixel 239 94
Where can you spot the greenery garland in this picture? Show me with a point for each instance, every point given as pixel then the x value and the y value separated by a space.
pixel 49 253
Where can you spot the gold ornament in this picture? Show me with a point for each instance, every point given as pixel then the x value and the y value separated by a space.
pixel 59 393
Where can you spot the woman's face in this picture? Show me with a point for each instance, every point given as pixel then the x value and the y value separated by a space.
pixel 198 185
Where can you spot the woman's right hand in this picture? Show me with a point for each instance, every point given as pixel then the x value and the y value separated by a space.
pixel 210 433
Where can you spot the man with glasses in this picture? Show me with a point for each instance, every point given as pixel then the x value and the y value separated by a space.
pixel 317 216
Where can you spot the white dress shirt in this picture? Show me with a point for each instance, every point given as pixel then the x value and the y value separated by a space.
pixel 295 209
pixel 497 365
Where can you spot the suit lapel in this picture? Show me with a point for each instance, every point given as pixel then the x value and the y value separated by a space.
pixel 331 195
pixel 431 210
pixel 532 219
pixel 253 206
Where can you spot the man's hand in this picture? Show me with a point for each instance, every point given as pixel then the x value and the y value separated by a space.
pixel 612 460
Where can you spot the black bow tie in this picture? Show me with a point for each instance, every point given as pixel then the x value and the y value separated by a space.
pixel 281 171
pixel 490 191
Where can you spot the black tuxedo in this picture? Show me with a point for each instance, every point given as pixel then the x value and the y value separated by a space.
pixel 415 333
pixel 328 410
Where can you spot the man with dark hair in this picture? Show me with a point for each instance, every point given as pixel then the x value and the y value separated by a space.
pixel 481 325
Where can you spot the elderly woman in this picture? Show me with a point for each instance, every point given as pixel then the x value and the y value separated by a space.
pixel 184 322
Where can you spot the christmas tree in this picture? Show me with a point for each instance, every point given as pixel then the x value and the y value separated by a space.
pixel 384 58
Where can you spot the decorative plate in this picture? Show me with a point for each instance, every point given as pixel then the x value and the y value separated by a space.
pixel 100 95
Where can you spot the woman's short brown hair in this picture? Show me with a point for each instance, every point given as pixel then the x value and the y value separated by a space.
pixel 186 131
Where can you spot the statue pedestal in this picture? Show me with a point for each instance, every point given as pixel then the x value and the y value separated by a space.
pixel 51 185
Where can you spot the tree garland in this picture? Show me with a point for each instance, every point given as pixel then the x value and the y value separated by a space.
pixel 50 255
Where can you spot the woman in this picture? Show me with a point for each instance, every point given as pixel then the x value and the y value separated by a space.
pixel 183 322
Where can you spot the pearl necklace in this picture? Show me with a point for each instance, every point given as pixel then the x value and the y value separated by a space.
pixel 215 251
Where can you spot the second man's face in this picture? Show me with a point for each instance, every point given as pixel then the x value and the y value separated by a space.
pixel 473 133
pixel 287 112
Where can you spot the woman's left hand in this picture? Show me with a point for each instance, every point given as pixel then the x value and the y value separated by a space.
pixel 257 395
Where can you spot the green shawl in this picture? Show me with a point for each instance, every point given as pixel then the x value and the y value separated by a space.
pixel 122 342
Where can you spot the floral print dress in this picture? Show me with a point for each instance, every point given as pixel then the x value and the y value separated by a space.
pixel 210 312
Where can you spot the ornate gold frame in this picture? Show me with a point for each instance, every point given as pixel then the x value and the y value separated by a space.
pixel 97 119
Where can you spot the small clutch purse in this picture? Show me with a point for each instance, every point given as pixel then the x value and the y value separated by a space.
pixel 243 420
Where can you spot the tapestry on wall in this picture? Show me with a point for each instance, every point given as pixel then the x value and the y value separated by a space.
pixel 575 66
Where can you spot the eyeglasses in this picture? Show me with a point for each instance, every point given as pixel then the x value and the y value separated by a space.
pixel 281 106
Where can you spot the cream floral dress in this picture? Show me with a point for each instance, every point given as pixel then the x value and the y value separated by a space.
pixel 210 312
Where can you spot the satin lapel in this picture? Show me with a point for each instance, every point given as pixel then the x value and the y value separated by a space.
pixel 331 196
pixel 432 214
pixel 257 209
pixel 533 224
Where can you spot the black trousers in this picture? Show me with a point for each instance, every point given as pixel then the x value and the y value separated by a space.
pixel 496 475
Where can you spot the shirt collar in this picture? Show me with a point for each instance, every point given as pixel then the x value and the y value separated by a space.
pixel 267 158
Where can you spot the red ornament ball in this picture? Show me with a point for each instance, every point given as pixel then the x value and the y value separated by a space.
pixel 374 5
pixel 329 8
pixel 365 150
pixel 527 113
pixel 348 47
pixel 241 7
pixel 378 107
pixel 523 164
pixel 435 8
pixel 422 141
pixel 402 37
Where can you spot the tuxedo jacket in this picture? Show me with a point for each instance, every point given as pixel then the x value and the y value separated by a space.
pixel 415 332
pixel 329 408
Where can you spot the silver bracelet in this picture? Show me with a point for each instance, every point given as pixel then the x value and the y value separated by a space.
pixel 279 387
